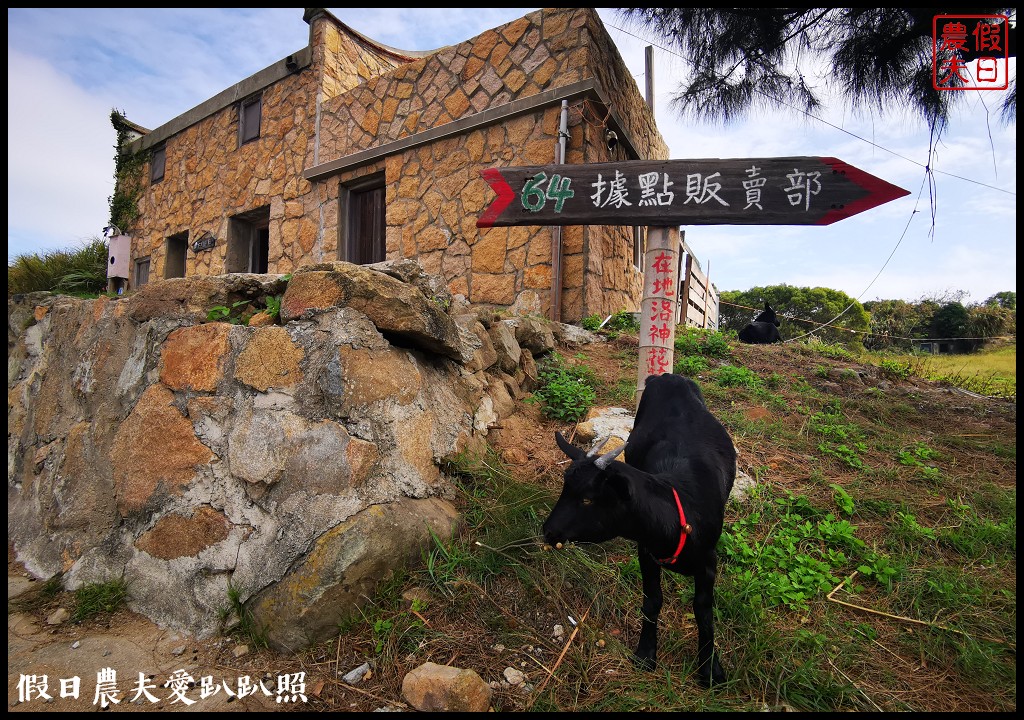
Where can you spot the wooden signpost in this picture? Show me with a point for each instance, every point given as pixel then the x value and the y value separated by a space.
pixel 751 191
pixel 664 194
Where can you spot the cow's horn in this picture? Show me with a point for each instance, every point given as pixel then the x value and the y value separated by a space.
pixel 603 461
pixel 593 450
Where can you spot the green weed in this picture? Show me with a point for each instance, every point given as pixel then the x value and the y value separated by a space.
pixel 690 365
pixel 732 376
pixel 837 352
pixel 245 625
pixel 802 558
pixel 41 595
pixel 842 440
pixel 896 369
pixel 843 499
pixel 99 598
pixel 702 342
pixel 566 392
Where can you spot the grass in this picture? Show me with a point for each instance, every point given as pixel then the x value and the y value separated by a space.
pixel 239 621
pixel 81 272
pixel 98 599
pixel 872 568
pixel 991 372
pixel 566 391
pixel 41 596
pixel 88 602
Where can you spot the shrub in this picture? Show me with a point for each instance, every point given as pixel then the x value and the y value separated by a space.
pixel 567 391
pixel 895 369
pixel 698 341
pixel 82 271
pixel 690 365
pixel 732 376
pixel 624 321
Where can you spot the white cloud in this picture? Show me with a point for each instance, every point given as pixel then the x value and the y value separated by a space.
pixel 60 172
pixel 67 68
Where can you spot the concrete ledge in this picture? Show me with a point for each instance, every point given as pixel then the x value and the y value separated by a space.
pixel 588 88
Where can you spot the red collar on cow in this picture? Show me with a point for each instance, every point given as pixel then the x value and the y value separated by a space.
pixel 684 530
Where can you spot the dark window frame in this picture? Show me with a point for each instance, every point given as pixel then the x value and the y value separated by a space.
pixel 363 236
pixel 247 129
pixel 158 164
pixel 141 277
pixel 176 255
pixel 248 243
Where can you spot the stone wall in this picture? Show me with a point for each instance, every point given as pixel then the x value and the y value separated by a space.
pixel 355 96
pixel 209 178
pixel 435 192
pixel 298 462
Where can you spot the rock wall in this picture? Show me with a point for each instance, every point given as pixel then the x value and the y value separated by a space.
pixel 300 463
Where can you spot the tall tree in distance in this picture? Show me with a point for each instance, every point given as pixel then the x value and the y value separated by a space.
pixel 830 315
pixel 747 59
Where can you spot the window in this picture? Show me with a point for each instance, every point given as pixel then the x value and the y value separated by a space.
pixel 249 242
pixel 249 119
pixel 363 231
pixel 141 272
pixel 177 249
pixel 157 163
pixel 639 247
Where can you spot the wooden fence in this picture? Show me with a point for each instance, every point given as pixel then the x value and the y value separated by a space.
pixel 698 297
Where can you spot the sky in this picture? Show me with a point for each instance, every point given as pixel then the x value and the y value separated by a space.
pixel 67 68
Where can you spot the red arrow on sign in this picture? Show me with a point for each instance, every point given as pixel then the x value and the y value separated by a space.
pixel 745 191
pixel 505 196
pixel 878 191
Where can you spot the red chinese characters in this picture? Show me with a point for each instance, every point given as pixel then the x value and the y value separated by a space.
pixel 970 52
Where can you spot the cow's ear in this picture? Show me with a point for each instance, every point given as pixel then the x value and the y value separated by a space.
pixel 768 307
pixel 573 452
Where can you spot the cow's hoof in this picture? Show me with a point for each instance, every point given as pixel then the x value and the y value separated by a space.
pixel 709 678
pixel 645 663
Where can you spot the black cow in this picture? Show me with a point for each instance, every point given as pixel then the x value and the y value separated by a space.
pixel 669 496
pixel 764 330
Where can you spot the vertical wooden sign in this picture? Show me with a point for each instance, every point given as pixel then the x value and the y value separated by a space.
pixel 659 306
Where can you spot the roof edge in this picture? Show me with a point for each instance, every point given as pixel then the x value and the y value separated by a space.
pixel 310 14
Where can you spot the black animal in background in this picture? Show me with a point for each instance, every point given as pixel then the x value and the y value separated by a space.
pixel 669 497
pixel 764 330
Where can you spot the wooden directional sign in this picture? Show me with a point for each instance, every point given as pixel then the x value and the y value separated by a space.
pixel 744 191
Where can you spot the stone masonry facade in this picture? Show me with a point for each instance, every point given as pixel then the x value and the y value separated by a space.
pixel 300 462
pixel 347 111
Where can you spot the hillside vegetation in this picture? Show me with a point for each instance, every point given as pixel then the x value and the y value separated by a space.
pixel 872 567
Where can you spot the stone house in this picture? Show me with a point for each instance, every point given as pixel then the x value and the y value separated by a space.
pixel 351 150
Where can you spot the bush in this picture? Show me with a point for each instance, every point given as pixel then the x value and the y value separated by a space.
pixel 81 272
pixel 566 391
pixel 698 341
pixel 896 369
pixel 690 365
pixel 732 376
pixel 624 321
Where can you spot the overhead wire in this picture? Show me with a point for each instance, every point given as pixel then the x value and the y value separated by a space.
pixel 929 175
pixel 824 121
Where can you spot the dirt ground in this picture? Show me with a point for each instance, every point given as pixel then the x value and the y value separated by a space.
pixel 44 659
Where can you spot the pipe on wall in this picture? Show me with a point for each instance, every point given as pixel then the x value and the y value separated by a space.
pixel 556 236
